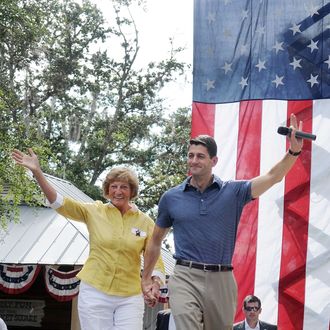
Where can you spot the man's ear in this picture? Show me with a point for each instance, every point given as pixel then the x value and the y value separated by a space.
pixel 214 160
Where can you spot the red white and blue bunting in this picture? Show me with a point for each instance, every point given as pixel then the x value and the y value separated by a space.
pixel 16 279
pixel 62 286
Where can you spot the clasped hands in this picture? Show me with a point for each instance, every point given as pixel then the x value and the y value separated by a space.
pixel 151 291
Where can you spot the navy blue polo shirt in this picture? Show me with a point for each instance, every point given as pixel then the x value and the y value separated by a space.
pixel 204 224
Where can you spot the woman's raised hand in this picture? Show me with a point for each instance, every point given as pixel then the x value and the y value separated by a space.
pixel 29 161
pixel 32 163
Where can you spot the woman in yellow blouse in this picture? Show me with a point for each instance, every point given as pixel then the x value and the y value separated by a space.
pixel 110 292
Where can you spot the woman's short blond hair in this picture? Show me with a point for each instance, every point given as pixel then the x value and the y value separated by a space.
pixel 122 174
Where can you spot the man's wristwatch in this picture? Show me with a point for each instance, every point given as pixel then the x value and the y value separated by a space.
pixel 292 153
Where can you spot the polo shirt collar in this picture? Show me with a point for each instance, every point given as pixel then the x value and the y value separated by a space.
pixel 186 183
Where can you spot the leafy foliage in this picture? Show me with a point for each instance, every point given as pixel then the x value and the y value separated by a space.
pixel 165 160
pixel 80 106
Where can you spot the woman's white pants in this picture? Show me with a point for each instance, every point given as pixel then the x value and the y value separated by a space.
pixel 99 311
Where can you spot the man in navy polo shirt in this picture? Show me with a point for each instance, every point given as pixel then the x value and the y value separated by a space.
pixel 204 212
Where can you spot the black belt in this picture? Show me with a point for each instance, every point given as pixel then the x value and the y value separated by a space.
pixel 205 267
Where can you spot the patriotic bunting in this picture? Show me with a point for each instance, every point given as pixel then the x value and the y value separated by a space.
pixel 16 279
pixel 62 286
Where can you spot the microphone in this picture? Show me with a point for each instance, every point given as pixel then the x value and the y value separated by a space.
pixel 299 134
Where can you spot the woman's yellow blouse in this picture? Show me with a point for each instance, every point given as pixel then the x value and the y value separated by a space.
pixel 116 244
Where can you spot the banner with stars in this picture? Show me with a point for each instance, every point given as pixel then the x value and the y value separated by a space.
pixel 261 49
pixel 255 63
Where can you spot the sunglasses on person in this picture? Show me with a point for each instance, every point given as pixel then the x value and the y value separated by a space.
pixel 254 308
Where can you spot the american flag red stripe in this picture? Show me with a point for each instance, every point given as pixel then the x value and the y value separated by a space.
pixel 203 119
pixel 249 134
pixel 282 248
pixel 295 228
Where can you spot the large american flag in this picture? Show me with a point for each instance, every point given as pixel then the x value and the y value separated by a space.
pixel 255 63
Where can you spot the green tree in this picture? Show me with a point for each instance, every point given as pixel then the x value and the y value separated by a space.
pixel 63 92
pixel 164 161
pixel 18 34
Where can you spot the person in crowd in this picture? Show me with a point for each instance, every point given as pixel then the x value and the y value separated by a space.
pixel 252 309
pixel 110 289
pixel 204 212
pixel 2 324
pixel 165 320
